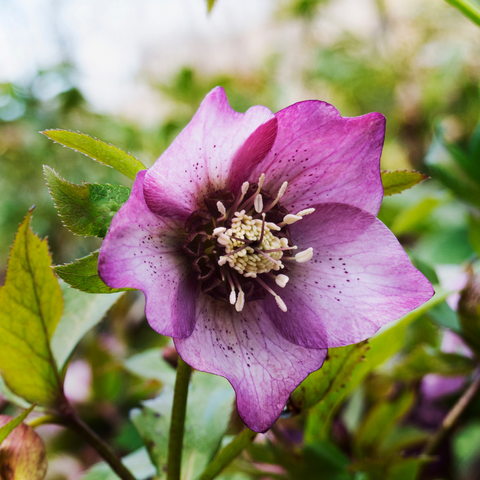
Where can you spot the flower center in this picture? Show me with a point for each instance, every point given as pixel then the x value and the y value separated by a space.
pixel 238 244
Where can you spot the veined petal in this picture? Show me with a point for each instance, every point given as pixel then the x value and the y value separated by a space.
pixel 142 250
pixel 325 157
pixel 219 148
pixel 245 348
pixel 359 279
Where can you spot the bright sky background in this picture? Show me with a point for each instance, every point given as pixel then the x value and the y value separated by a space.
pixel 109 40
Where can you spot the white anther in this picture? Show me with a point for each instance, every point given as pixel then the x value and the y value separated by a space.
pixel 258 203
pixel 284 242
pixel 221 208
pixel 261 180
pixel 282 190
pixel 305 256
pixel 245 186
pixel 240 301
pixel 222 260
pixel 218 230
pixel 233 297
pixel 223 239
pixel 281 303
pixel 281 280
pixel 273 226
pixel 290 218
pixel 307 211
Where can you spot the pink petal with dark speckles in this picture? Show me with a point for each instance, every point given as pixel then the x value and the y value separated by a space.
pixel 325 157
pixel 358 280
pixel 219 148
pixel 245 348
pixel 143 251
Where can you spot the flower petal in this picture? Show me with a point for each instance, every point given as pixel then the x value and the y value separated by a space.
pixel 359 279
pixel 325 157
pixel 217 145
pixel 261 365
pixel 141 250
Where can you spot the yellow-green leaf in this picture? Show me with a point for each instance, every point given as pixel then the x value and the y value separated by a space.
pixel 13 424
pixel 210 4
pixel 101 152
pixel 31 304
pixel 400 180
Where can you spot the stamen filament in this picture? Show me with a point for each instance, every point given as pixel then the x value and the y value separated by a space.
pixel 280 194
pixel 280 302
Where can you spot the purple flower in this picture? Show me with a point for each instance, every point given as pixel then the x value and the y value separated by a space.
pixel 255 241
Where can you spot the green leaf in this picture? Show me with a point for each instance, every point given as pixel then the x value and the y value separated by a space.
pixel 474 233
pixel 11 397
pixel 97 150
pixel 469 9
pixel 400 180
pixel 12 424
pixel 447 170
pixel 83 275
pixel 85 209
pixel 379 421
pixel 336 371
pixel 137 462
pixel 422 362
pixel 382 346
pixel 31 305
pixel 82 312
pixel 209 405
pixel 444 316
pixel 413 217
pixel 210 4
pixel 401 438
pixel 151 365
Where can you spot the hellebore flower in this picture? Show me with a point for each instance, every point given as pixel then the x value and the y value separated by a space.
pixel 255 241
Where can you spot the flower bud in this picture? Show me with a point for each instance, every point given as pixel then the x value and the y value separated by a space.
pixel 22 454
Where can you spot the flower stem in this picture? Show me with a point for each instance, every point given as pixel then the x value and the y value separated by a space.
pixel 227 454
pixel 45 420
pixel 104 450
pixel 452 417
pixel 469 10
pixel 177 424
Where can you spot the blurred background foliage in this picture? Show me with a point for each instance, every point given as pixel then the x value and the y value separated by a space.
pixel 414 61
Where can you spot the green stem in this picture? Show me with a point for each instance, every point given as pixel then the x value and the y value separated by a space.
pixel 104 450
pixel 452 417
pixel 227 454
pixel 177 424
pixel 469 10
pixel 45 420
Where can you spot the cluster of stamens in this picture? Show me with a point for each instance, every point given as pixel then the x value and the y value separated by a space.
pixel 251 246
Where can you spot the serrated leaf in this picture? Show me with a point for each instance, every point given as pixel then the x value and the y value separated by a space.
pixel 83 275
pixel 400 180
pixel 101 152
pixel 137 462
pixel 85 209
pixel 13 424
pixel 336 371
pixel 82 312
pixel 209 404
pixel 31 305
